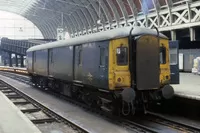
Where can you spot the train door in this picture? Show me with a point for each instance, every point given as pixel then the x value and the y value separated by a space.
pixel 103 66
pixel 29 61
pixel 78 76
pixel 50 61
pixel 147 62
pixel 119 74
pixel 33 61
pixel 174 61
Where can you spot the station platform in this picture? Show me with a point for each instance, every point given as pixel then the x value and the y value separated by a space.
pixel 189 86
pixel 94 123
pixel 20 68
pixel 12 120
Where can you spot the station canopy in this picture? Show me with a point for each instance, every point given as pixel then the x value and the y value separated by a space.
pixel 79 17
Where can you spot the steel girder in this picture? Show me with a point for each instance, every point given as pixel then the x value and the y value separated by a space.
pixel 79 17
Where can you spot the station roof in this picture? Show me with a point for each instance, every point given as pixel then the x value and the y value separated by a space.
pixel 81 16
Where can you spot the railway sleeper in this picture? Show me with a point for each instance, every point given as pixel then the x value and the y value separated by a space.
pixel 31 110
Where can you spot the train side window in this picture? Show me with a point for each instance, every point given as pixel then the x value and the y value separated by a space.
pixel 102 56
pixel 122 56
pixel 162 55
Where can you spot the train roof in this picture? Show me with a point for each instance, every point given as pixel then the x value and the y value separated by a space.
pixel 100 36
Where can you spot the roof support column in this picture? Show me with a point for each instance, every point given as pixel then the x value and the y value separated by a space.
pixel 173 35
pixel 157 7
pixel 170 16
pixel 16 60
pixel 192 34
pixel 136 22
pixel 10 59
pixel 134 10
pixel 189 11
pixel 22 60
pixel 146 18
pixel 158 19
pixel 145 11
pixel 170 4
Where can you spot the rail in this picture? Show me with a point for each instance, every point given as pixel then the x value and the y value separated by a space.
pixel 21 100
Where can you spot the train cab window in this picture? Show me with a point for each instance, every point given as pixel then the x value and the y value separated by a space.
pixel 122 56
pixel 162 55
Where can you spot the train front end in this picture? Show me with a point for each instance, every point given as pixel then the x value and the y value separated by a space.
pixel 139 66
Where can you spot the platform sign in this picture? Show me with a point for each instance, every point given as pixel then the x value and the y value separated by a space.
pixel 60 34
pixel 174 62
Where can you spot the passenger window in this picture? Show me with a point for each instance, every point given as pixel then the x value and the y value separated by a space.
pixel 80 57
pixel 122 56
pixel 102 56
pixel 162 55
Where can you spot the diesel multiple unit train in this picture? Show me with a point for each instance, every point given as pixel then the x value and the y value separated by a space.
pixel 117 71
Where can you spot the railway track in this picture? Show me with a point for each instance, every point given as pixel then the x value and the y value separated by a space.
pixel 36 112
pixel 132 126
pixel 144 123
pixel 157 118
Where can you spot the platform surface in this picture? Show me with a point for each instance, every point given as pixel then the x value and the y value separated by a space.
pixel 85 119
pixel 20 68
pixel 189 86
pixel 12 120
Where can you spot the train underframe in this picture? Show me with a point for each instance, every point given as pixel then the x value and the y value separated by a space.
pixel 121 102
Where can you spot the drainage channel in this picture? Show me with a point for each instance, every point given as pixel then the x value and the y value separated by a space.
pixel 45 119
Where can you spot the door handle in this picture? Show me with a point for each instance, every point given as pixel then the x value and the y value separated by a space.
pixel 101 66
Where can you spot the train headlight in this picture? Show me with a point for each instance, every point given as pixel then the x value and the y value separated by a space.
pixel 119 80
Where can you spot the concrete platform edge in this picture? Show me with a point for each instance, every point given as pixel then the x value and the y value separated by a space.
pixel 30 124
pixel 44 105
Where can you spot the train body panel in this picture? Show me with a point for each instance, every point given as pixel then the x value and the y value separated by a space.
pixel 164 62
pixel 29 60
pixel 60 62
pixel 40 62
pixel 95 64
pixel 112 75
pixel 147 62
pixel 119 74
pixel 78 72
